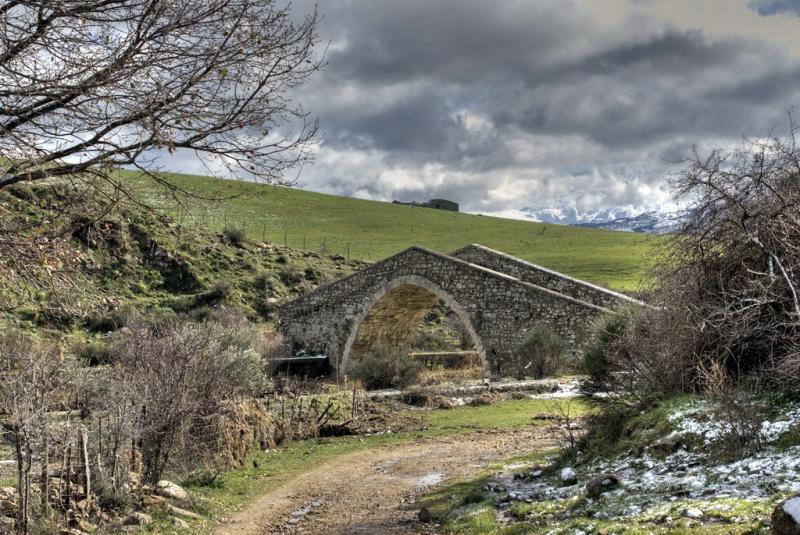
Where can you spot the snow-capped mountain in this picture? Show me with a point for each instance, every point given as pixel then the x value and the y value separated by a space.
pixel 651 220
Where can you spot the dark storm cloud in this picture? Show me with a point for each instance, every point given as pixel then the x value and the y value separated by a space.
pixel 766 8
pixel 463 98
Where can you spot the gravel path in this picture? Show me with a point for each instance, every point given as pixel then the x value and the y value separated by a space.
pixel 374 491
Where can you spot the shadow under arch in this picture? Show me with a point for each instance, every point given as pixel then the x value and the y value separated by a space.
pixel 393 313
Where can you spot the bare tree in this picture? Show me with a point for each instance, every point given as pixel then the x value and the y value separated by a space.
pixel 733 269
pixel 35 380
pixel 726 308
pixel 91 84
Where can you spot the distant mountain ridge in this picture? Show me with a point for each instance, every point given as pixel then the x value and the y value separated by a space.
pixel 628 219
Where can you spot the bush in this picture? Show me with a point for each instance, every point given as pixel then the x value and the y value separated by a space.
pixel 176 376
pixel 233 235
pixel 541 355
pixel 290 276
pixel 97 354
pixel 636 356
pixel 312 274
pixel 386 366
pixel 203 477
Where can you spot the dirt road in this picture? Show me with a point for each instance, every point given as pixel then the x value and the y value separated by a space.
pixel 373 492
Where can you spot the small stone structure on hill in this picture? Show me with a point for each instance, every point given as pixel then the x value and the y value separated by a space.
pixel 438 204
pixel 498 298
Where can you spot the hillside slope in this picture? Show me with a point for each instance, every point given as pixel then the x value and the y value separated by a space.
pixel 370 230
pixel 78 263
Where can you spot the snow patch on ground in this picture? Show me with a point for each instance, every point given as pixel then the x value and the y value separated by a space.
pixel 649 482
pixel 696 419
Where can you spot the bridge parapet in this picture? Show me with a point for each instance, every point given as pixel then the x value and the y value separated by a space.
pixel 541 276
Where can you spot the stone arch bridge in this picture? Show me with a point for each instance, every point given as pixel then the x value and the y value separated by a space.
pixel 498 298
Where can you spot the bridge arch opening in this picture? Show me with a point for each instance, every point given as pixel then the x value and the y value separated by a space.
pixel 393 314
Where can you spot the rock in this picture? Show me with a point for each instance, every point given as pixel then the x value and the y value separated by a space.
pixel 8 507
pixel 82 525
pixel 171 490
pixel 666 446
pixel 71 531
pixel 786 517
pixel 693 512
pixel 602 483
pixel 138 519
pixel 442 402
pixel 424 515
pixel 486 398
pixel 152 501
pixel 7 524
pixel 177 511
pixel 180 523
pixel 568 476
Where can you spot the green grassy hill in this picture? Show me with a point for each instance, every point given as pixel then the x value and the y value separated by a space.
pixel 369 230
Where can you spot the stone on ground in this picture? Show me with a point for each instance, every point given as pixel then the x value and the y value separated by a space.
pixel 138 519
pixel 568 476
pixel 602 483
pixel 786 518
pixel 171 490
pixel 693 513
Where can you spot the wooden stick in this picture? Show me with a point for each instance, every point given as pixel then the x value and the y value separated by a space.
pixel 84 452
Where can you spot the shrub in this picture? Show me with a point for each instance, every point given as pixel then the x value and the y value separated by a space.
pixel 233 235
pixel 290 276
pixel 312 274
pixel 203 477
pixel 386 366
pixel 541 355
pixel 97 354
pixel 105 322
pixel 173 376
pixel 636 356
pixel 263 282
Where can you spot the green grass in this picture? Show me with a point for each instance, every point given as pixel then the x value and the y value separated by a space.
pixel 503 415
pixel 266 471
pixel 369 230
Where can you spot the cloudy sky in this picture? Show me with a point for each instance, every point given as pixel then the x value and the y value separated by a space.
pixel 528 103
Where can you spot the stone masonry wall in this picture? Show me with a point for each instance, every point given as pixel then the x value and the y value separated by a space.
pixel 541 276
pixel 390 295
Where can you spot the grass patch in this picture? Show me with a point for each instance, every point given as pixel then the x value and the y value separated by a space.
pixel 503 415
pixel 617 433
pixel 370 230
